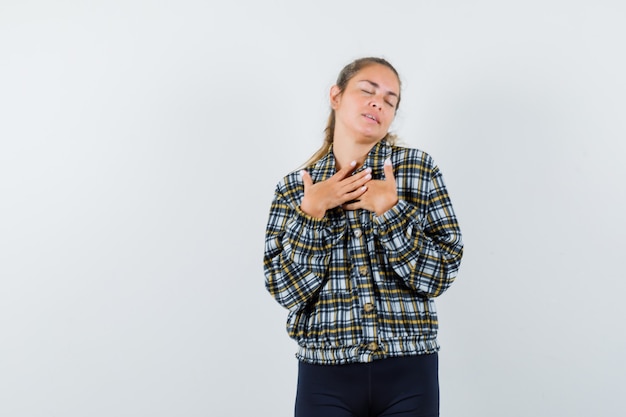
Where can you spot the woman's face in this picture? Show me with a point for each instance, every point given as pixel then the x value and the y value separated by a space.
pixel 367 106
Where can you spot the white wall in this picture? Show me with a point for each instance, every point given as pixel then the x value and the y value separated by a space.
pixel 140 143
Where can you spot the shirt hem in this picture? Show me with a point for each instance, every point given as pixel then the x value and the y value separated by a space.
pixel 363 354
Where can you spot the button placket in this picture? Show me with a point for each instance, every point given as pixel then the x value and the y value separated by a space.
pixel 373 346
pixel 359 252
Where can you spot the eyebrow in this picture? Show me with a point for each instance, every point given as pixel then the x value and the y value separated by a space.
pixel 373 84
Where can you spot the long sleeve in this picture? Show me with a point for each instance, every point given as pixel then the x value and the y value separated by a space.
pixel 297 249
pixel 423 246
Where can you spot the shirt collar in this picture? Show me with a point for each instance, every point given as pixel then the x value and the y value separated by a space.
pixel 376 159
pixel 326 166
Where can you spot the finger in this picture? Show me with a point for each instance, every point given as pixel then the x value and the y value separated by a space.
pixel 306 179
pixel 355 181
pixel 388 168
pixel 363 178
pixel 349 206
pixel 354 195
pixel 353 205
pixel 345 171
pixel 365 174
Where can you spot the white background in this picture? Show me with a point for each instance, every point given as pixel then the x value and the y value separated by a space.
pixel 140 143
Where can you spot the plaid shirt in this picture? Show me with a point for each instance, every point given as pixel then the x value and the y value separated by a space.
pixel 359 286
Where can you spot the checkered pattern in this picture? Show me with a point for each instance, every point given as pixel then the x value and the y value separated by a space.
pixel 358 286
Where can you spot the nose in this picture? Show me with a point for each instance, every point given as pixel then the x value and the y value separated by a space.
pixel 374 103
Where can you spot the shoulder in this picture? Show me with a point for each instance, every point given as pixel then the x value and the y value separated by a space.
pixel 412 158
pixel 290 185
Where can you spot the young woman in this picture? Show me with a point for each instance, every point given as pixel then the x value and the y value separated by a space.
pixel 357 246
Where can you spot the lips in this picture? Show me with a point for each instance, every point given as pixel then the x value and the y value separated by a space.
pixel 371 117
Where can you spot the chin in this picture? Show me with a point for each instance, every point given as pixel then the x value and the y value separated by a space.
pixel 372 139
pixel 375 135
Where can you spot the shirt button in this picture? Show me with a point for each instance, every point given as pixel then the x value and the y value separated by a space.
pixel 368 308
pixel 372 346
pixel 363 270
pixel 358 233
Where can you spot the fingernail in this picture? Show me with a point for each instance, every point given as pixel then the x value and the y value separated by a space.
pixel 388 161
pixel 353 163
pixel 368 169
pixel 301 173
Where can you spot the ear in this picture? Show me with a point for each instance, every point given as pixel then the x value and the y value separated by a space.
pixel 335 97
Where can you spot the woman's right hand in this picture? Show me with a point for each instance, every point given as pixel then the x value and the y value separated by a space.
pixel 335 191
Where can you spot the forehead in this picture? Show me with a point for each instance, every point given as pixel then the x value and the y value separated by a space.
pixel 381 75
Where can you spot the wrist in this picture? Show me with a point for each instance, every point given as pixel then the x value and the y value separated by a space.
pixel 386 207
pixel 316 212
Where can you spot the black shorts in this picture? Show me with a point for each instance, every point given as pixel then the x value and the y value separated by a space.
pixel 399 387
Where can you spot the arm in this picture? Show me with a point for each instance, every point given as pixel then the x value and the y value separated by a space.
pixel 423 250
pixel 299 237
pixel 297 253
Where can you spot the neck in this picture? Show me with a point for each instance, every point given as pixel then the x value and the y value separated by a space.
pixel 346 150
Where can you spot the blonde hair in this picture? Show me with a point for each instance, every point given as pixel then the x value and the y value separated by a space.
pixel 346 74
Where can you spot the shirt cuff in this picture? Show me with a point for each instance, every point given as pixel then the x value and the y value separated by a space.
pixel 393 218
pixel 310 221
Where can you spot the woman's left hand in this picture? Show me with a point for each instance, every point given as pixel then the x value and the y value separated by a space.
pixel 381 195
